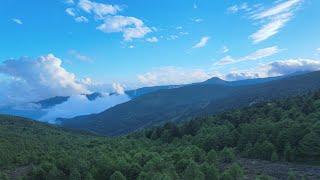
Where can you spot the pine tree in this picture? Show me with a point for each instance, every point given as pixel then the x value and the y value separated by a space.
pixel 117 176
pixel 193 172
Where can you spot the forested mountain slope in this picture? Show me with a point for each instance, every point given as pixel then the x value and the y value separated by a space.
pixel 279 131
pixel 190 101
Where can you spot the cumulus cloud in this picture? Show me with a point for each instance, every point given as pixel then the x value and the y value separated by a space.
pixel 202 43
pixel 17 21
pixel 78 105
pixel 274 19
pixel 131 27
pixel 35 79
pixel 98 9
pixel 259 54
pixel 172 75
pixel 152 39
pixel 110 21
pixel 276 68
pixel 118 88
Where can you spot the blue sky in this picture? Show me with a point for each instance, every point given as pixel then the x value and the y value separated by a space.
pixel 142 43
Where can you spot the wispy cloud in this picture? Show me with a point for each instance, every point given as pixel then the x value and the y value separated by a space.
pixel 17 21
pixel 273 19
pixel 81 19
pixel 152 39
pixel 71 12
pixel 69 2
pixel 259 54
pixel 237 8
pixel 195 4
pixel 202 43
pixel 80 56
pixel 224 49
pixel 197 20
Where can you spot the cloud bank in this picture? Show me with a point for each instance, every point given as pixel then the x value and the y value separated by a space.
pixel 30 79
pixel 178 75
pixel 78 105
pixel 277 68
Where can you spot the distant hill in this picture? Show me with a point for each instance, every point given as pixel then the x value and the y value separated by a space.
pixel 191 101
pixel 50 102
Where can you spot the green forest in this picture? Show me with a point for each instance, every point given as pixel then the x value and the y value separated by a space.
pixel 205 148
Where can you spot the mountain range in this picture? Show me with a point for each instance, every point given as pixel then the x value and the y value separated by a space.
pixel 190 101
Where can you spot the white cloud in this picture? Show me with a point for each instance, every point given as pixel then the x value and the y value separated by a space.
pixel 36 79
pixel 318 50
pixel 81 19
pixel 270 29
pixel 131 27
pixel 80 56
pixel 172 75
pixel 110 21
pixel 173 37
pixel 71 12
pixel 225 49
pixel 259 54
pixel 236 8
pixel 276 68
pixel 280 8
pixel 78 105
pixel 202 43
pixel 273 19
pixel 98 9
pixel 226 60
pixel 197 20
pixel 195 4
pixel 177 75
pixel 152 39
pixel 70 2
pixel 18 21
pixel 118 88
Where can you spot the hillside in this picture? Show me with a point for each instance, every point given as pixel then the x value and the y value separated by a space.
pixel 191 101
pixel 277 134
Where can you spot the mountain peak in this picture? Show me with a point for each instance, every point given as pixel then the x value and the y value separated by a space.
pixel 215 80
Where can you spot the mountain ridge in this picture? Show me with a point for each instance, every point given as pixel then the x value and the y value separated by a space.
pixel 189 101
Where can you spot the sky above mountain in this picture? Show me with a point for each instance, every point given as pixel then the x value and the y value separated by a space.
pixel 65 47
